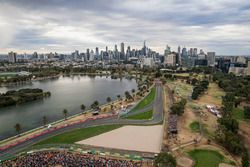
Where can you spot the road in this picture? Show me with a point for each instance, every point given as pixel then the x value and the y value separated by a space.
pixel 157 107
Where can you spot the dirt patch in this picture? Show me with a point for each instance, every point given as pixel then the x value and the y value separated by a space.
pixel 184 161
pixel 212 96
pixel 244 130
pixel 136 138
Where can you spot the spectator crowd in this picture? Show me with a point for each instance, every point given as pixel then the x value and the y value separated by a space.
pixel 67 159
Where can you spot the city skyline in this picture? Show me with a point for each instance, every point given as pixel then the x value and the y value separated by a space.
pixel 62 26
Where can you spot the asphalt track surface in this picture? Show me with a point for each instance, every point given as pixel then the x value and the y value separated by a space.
pixel 156 105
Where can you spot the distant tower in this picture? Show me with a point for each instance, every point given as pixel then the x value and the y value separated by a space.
pixel 12 57
pixel 179 56
pixel 97 53
pixel 87 54
pixel 167 50
pixel 144 49
pixel 122 51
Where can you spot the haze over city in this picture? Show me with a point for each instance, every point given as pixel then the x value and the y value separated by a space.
pixel 64 26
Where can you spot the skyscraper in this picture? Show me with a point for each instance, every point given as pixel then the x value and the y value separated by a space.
pixel 122 51
pixel 210 58
pixel 87 54
pixel 144 49
pixel 178 58
pixel 116 53
pixel 12 57
pixel 127 53
pixel 167 50
pixel 97 53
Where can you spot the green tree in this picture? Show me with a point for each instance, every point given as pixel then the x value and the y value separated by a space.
pixel 133 91
pixel 245 159
pixel 127 95
pixel 164 160
pixel 18 128
pixel 247 112
pixel 65 113
pixel 108 99
pixel 119 97
pixel 194 81
pixel 83 107
pixel 95 104
pixel 45 120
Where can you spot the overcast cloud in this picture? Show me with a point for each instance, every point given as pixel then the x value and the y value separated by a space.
pixel 66 25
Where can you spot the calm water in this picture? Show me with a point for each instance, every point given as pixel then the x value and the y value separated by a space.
pixel 66 92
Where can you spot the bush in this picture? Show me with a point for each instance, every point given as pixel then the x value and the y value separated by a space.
pixel 199 89
pixel 178 108
pixel 164 160
pixel 247 112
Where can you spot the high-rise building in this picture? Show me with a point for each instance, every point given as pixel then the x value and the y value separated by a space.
pixel 35 55
pixel 184 57
pixel 144 49
pixel 167 50
pixel 210 58
pixel 87 54
pixel 178 58
pixel 128 54
pixel 195 51
pixel 170 60
pixel 191 52
pixel 12 57
pixel 241 59
pixel 97 53
pixel 122 51
pixel 91 55
pixel 116 53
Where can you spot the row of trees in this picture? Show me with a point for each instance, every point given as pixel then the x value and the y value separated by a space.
pixel 199 89
pixel 238 85
pixel 227 133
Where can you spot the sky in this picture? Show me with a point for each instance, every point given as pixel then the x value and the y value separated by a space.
pixel 63 26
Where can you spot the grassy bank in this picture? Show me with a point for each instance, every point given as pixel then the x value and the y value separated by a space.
pixel 78 134
pixel 145 115
pixel 147 100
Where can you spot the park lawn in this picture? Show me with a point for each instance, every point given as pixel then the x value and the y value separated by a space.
pixel 147 100
pixel 78 134
pixel 145 115
pixel 195 126
pixel 207 158
pixel 238 113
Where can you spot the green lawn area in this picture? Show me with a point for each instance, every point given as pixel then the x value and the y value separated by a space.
pixel 145 115
pixel 7 74
pixel 207 158
pixel 147 100
pixel 195 126
pixel 238 113
pixel 78 134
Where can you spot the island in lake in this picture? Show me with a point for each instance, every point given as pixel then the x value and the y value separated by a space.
pixel 13 97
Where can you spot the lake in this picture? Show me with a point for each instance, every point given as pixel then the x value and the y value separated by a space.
pixel 66 93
